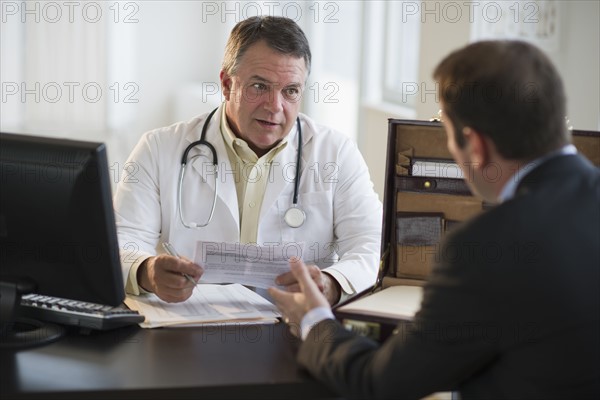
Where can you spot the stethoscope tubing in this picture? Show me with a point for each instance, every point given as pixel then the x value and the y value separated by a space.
pixel 294 216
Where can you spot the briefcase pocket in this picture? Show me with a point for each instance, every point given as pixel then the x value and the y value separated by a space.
pixel 419 229
pixel 422 219
pixel 415 262
pixel 452 207
pixel 418 236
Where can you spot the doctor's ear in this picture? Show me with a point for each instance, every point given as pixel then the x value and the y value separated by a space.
pixel 226 84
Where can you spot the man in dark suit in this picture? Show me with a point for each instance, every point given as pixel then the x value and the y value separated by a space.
pixel 512 308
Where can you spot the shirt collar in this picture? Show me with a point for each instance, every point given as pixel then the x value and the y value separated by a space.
pixel 509 189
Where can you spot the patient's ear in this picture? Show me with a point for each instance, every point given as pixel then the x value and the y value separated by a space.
pixel 477 147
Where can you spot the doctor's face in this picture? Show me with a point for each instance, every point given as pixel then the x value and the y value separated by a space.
pixel 263 96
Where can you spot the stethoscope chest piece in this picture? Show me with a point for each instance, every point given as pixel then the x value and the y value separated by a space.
pixel 294 216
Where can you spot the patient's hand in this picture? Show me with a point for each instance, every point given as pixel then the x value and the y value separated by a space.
pixel 294 305
pixel 325 282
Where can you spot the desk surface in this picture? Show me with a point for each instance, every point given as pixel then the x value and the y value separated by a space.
pixel 253 361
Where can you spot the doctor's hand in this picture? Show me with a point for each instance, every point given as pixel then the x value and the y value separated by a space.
pixel 325 283
pixel 293 306
pixel 164 276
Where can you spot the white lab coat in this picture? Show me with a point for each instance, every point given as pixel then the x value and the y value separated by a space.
pixel 342 231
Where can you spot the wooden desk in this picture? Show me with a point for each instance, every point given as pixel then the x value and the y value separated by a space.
pixel 255 361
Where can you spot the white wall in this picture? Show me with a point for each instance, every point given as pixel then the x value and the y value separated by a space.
pixel 177 48
pixel 578 61
pixel 146 53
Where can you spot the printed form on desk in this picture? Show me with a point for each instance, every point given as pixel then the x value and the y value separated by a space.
pixel 208 305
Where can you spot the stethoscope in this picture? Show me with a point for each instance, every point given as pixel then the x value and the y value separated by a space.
pixel 294 217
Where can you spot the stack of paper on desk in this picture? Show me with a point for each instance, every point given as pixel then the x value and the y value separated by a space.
pixel 395 302
pixel 209 304
pixel 377 315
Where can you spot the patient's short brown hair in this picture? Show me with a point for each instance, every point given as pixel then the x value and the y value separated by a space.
pixel 508 91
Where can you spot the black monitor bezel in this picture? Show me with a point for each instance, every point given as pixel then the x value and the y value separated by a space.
pixel 103 271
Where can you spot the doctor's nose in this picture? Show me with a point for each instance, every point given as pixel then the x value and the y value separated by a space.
pixel 274 102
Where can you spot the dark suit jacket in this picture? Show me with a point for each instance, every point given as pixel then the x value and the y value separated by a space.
pixel 511 310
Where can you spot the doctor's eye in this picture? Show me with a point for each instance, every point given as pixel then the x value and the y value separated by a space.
pixel 260 87
pixel 254 91
pixel 292 94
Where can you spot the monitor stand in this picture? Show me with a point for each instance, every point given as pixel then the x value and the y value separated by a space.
pixel 19 333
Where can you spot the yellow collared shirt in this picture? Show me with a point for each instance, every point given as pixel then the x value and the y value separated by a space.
pixel 251 175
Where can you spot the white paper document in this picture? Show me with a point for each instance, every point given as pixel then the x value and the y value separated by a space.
pixel 397 302
pixel 247 264
pixel 209 304
pixel 437 169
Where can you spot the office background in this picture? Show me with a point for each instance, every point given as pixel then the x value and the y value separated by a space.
pixel 110 70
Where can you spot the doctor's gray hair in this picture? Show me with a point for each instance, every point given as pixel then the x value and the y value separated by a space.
pixel 280 34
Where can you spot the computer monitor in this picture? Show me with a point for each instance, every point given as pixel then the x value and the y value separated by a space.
pixel 57 226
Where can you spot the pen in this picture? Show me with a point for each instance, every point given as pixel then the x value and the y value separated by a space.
pixel 171 251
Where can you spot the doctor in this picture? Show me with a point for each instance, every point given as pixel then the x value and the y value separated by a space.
pixel 240 183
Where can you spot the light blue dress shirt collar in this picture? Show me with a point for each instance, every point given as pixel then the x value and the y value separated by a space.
pixel 508 191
